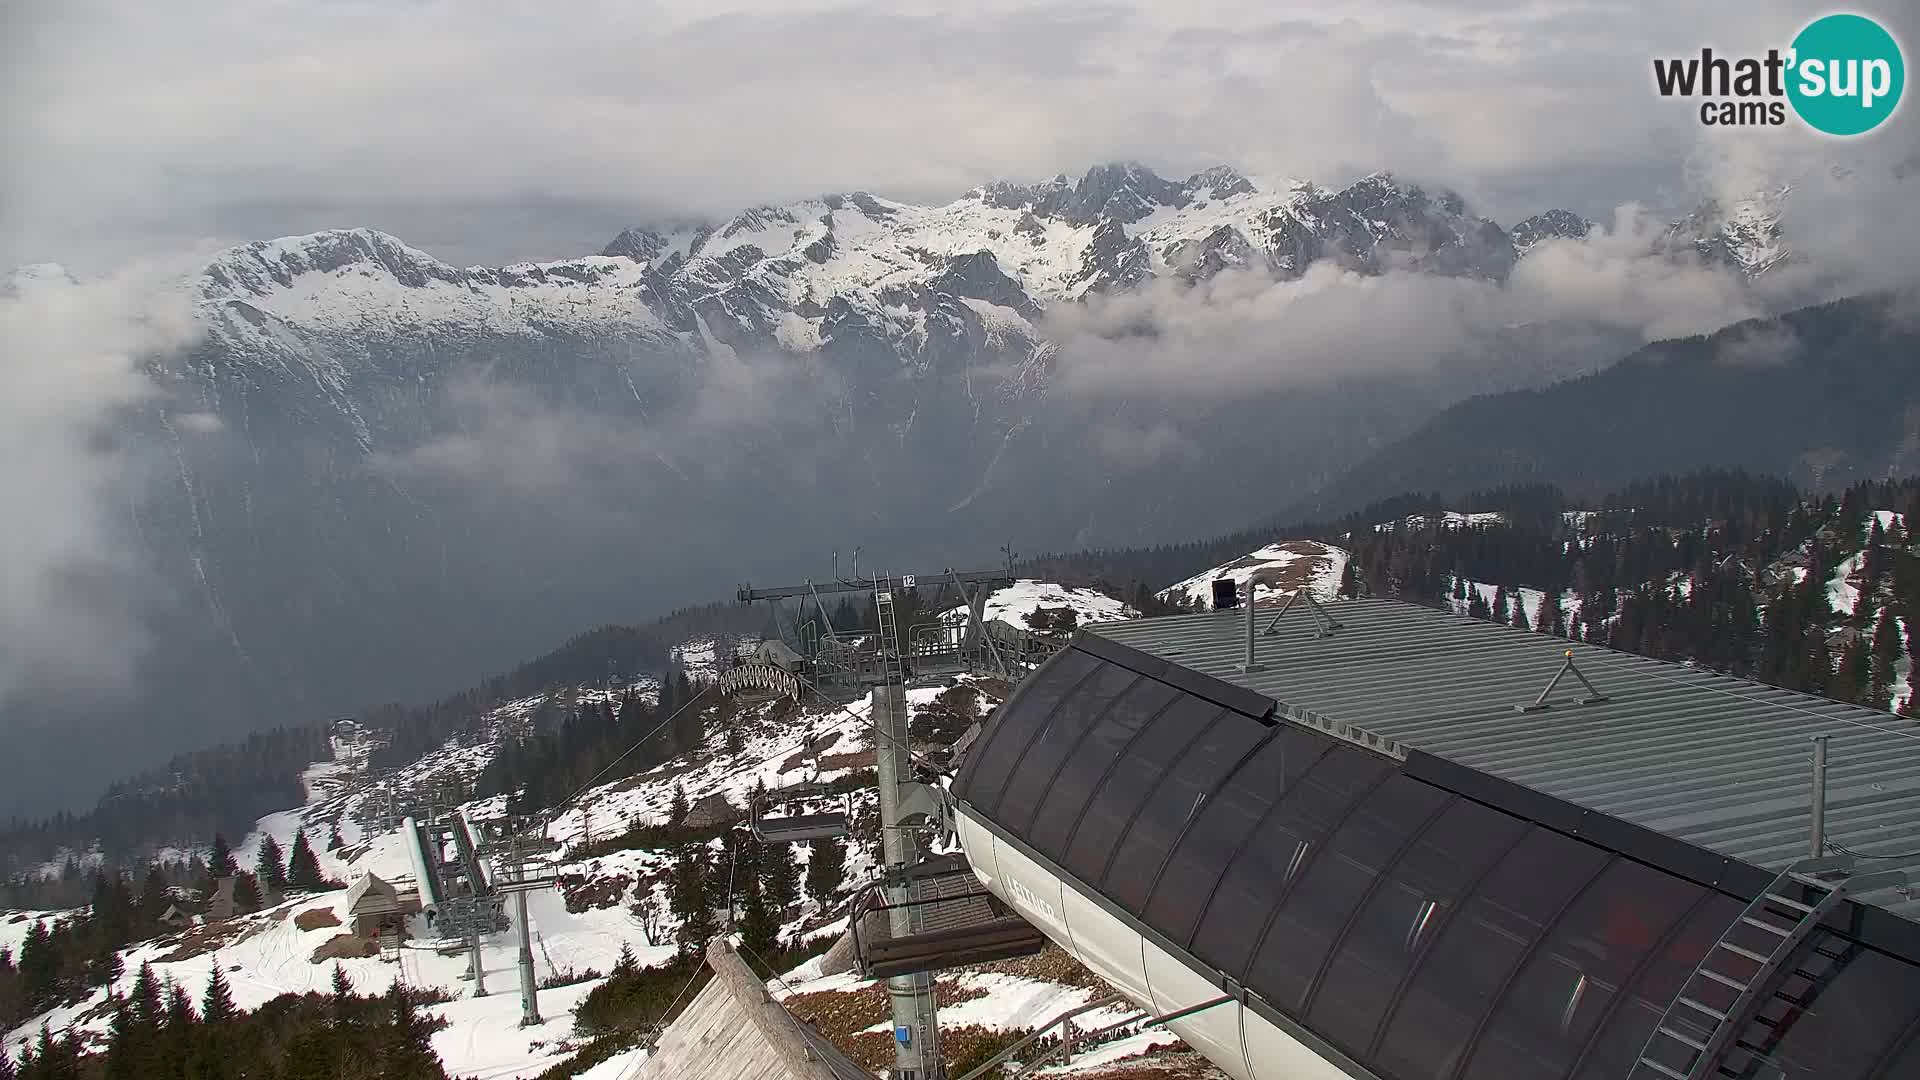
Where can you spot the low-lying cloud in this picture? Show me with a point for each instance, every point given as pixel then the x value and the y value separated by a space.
pixel 71 367
pixel 1250 331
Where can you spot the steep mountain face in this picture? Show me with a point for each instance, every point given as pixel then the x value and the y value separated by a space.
pixel 1554 224
pixel 1823 396
pixel 1743 234
pixel 380 474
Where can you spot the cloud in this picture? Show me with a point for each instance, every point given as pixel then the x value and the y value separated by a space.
pixel 70 368
pixel 513 442
pixel 489 130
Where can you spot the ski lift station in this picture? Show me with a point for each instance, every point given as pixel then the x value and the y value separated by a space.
pixel 1382 842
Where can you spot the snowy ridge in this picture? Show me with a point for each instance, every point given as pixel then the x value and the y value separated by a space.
pixel 1275 570
pixel 1744 234
pixel 796 275
pixel 1015 603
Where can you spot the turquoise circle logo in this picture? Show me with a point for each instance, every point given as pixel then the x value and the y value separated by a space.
pixel 1847 75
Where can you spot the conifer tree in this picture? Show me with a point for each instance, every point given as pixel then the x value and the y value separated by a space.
pixel 1520 621
pixel 220 862
pixel 176 1039
pixel 39 969
pixel 826 869
pixel 1500 612
pixel 123 1043
pixel 334 840
pixel 154 893
pixel 678 809
pixel 695 932
pixel 780 875
pixel 216 1006
pixel 1850 682
pixel 6 1065
pixel 688 901
pixel 271 868
pixel 342 987
pixel 180 1014
pixel 408 1053
pixel 148 1002
pixel 246 893
pixel 303 866
pixel 1553 620
pixel 759 928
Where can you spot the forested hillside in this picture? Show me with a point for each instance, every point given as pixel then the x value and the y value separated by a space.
pixel 1732 570
pixel 1824 396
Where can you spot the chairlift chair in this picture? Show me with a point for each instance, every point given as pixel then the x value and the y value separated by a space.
pixel 957 922
pixel 793 828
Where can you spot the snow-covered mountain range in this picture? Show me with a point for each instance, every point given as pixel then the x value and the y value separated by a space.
pixel 379 474
pixel 981 268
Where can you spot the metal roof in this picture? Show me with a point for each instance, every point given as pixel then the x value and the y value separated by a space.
pixel 1719 762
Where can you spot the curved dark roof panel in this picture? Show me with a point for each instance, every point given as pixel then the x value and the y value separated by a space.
pixel 1420 930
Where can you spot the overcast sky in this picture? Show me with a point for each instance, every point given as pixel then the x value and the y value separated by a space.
pixel 488 131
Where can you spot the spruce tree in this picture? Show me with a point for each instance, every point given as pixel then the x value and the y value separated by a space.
pixel 1520 621
pixel 149 1003
pixel 780 875
pixel 216 1006
pixel 246 893
pixel 342 986
pixel 271 868
pixel 6 1065
pixel 1552 619
pixel 759 928
pixel 334 840
pixel 1477 606
pixel 39 969
pixel 123 1044
pixel 1850 682
pixel 695 932
pixel 826 869
pixel 154 893
pixel 220 862
pixel 408 1053
pixel 176 1040
pixel 303 866
pixel 678 809
pixel 1500 612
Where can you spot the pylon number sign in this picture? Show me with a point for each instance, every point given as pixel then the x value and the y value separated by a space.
pixel 907 582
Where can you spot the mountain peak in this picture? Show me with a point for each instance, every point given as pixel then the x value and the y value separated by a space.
pixel 1219 182
pixel 1549 225
pixel 638 244
pixel 255 268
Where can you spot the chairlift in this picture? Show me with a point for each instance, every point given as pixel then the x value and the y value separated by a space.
pixel 793 828
pixel 957 923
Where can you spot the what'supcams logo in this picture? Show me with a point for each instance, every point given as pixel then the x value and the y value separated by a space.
pixel 1842 75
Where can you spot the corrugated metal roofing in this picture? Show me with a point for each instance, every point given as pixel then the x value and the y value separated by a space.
pixel 1719 762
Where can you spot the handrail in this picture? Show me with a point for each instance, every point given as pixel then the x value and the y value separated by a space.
pixel 995 1060
pixel 1153 1021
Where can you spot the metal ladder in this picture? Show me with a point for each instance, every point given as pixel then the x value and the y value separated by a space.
pixel 889 643
pixel 1693 1035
